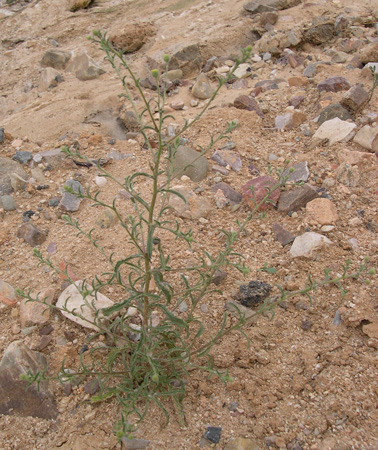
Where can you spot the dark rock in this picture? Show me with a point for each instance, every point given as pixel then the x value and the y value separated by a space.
pixel 321 31
pixel 55 58
pixel 355 99
pixel 46 329
pixel 334 84
pixel 218 277
pixel 91 387
pixel 2 135
pixel 213 434
pixel 14 397
pixel 189 162
pixel 22 157
pixel 12 176
pixel 228 192
pixel 332 111
pixel 135 444
pixel 26 215
pixel 296 100
pixel 7 203
pixel 228 158
pixel 54 202
pixel 297 198
pixel 70 201
pixel 306 325
pixel 31 234
pixel 44 342
pixel 282 235
pixel 256 190
pixel 248 103
pixel 253 293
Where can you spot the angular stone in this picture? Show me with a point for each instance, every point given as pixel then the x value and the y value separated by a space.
pixel 367 137
pixel 55 58
pixel 31 234
pixel 332 111
pixel 298 172
pixel 7 203
pixel 308 244
pixel 7 295
pixel 89 308
pixel 369 53
pixel 213 434
pixel 195 207
pixel 218 277
pixel 371 330
pixel 243 71
pixel 22 157
pixel 321 211
pixel 49 78
pixel 79 4
pixel 290 120
pixel 12 176
pixel 188 59
pixel 228 158
pixel 255 191
pixel 355 99
pixel 202 88
pixel 348 175
pixel 297 198
pixel 135 444
pixel 321 31
pixel 334 84
pixel 356 158
pixel 53 157
pixel 230 193
pixel 262 6
pixel 241 444
pixel 91 387
pixel 35 313
pixel 335 130
pixel 253 293
pixel 220 199
pixel 248 103
pixel 69 201
pixel 14 397
pixel 129 120
pixel 282 235
pixel 296 100
pixel 84 68
pixel 189 162
pixel 132 37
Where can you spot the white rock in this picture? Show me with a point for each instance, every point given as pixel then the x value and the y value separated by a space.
pixel 243 71
pixel 335 130
pixel 307 244
pixel 100 181
pixel 367 137
pixel 88 308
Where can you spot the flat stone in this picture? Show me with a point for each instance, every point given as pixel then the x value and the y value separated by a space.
pixel 255 191
pixel 69 201
pixel 321 211
pixel 248 103
pixel 283 236
pixel 348 175
pixel 240 84
pixel 335 130
pixel 132 37
pixel 22 157
pixel 332 111
pixel 296 100
pixel 253 293
pixel 241 444
pixel 12 176
pixel 14 397
pixel 308 244
pixel 228 158
pixel 31 234
pixel 194 208
pixel 202 88
pixel 243 71
pixel 35 313
pixel 262 6
pixel 356 158
pixel 367 137
pixel 7 203
pixel 73 301
pixel 58 59
pixel 185 57
pixel 49 78
pixel 297 198
pixel 233 196
pixel 290 120
pixel 334 84
pixel 135 444
pixel 52 157
pixel 188 162
pixel 299 173
pixel 355 99
pixel 84 68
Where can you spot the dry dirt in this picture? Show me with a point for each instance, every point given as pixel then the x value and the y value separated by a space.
pixel 316 388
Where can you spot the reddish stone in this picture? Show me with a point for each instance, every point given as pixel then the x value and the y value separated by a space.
pixel 248 103
pixel 255 190
pixel 334 84
pixel 296 100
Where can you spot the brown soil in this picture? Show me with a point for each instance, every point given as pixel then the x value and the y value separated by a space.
pixel 316 387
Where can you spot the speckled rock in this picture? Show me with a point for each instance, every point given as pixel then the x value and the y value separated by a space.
pixel 58 59
pixel 332 111
pixel 334 84
pixel 132 37
pixel 253 293
pixel 31 234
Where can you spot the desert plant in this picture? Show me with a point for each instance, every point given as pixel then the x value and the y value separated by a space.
pixel 147 362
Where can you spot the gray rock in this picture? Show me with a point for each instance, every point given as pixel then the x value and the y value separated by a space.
pixel 84 68
pixel 253 293
pixel 52 157
pixel 297 198
pixel 12 176
pixel 31 234
pixel 7 203
pixel 187 58
pixel 70 201
pixel 202 88
pixel 55 58
pixel 300 172
pixel 135 444
pixel 230 193
pixel 308 244
pixel 189 162
pixel 91 387
pixel 282 235
pixel 262 6
pixel 2 135
pixel 228 158
pixel 218 277
pixel 355 99
pixel 14 397
pixel 49 78
pixel 332 111
pixel 310 71
pixel 213 434
pixel 22 157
